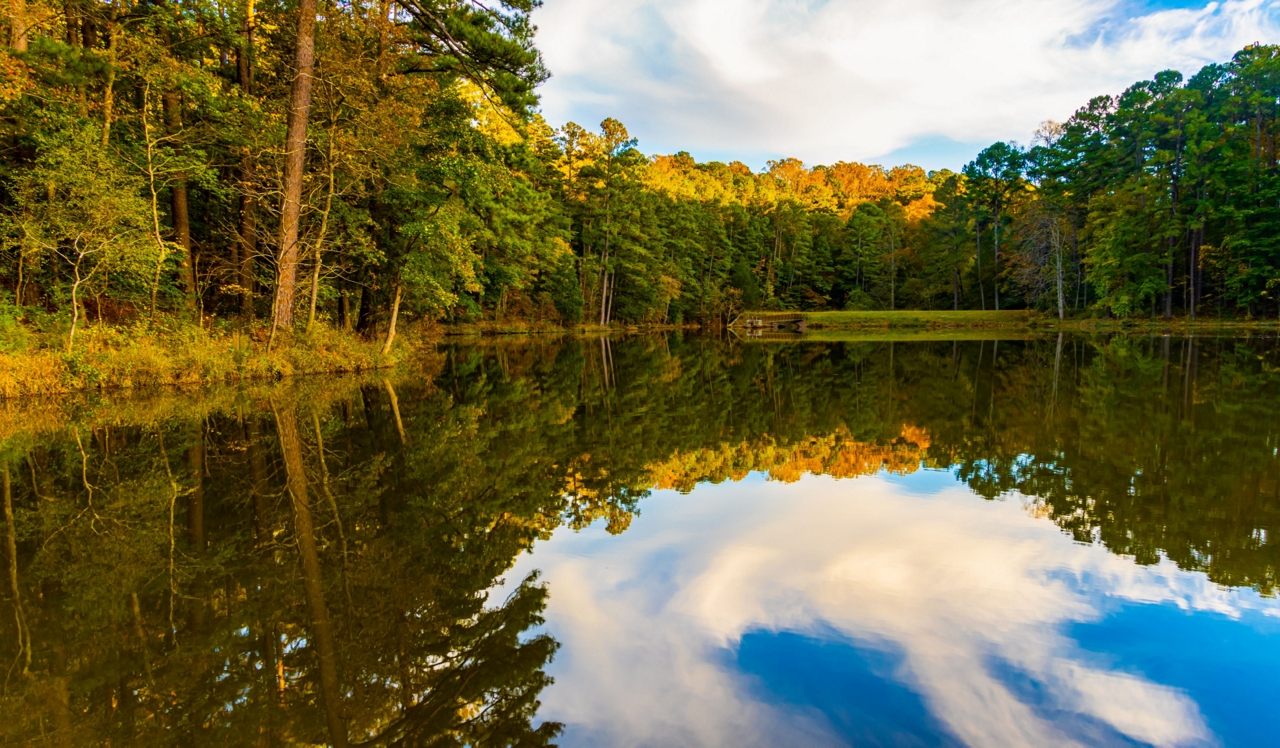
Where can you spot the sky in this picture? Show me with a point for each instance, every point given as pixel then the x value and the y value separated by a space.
pixel 928 82
pixel 831 612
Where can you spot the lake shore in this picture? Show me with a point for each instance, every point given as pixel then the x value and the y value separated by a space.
pixel 109 358
pixel 117 357
pixel 1018 319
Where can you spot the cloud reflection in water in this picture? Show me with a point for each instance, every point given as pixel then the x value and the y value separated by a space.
pixel 967 602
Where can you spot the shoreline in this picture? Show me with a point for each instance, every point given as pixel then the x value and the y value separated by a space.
pixel 110 358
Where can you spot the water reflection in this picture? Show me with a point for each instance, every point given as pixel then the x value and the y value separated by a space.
pixel 316 563
pixel 870 612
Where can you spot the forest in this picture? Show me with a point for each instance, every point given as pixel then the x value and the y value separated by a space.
pixel 279 166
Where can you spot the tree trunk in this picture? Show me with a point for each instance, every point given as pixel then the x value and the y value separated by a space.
pixel 364 317
pixel 1057 254
pixel 18 25
pixel 344 308
pixel 324 227
pixel 248 200
pixel 179 213
pixel 982 291
pixel 395 314
pixel 321 629
pixel 995 260
pixel 295 154
pixel 108 94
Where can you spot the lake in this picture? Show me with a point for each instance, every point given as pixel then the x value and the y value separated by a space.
pixel 672 540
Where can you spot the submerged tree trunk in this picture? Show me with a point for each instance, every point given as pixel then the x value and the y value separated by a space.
pixel 295 145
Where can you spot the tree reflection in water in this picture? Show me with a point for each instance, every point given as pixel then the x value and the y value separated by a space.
pixel 310 563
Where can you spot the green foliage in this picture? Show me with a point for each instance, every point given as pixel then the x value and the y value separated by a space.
pixel 153 135
pixel 566 295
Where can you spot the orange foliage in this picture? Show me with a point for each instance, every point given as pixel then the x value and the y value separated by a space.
pixel 837 455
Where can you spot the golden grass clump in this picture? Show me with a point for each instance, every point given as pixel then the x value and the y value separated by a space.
pixel 110 357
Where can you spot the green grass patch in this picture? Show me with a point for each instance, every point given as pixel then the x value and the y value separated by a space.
pixel 898 335
pixel 907 319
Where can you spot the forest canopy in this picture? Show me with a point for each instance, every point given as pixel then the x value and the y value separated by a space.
pixel 287 164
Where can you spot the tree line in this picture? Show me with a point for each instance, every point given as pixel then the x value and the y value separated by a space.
pixel 285 164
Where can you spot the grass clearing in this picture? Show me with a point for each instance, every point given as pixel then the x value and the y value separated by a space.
pixel 908 319
pixel 897 335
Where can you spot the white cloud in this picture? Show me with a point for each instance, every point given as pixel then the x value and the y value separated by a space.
pixel 857 79
pixel 950 581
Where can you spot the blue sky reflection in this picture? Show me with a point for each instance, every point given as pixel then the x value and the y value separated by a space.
pixel 872 611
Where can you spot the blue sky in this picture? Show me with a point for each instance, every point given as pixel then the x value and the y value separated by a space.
pixel 928 82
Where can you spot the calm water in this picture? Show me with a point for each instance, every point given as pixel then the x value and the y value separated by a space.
pixel 673 541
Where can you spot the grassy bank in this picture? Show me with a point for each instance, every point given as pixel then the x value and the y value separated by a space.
pixel 931 320
pixel 1007 320
pixel 119 357
pixel 897 335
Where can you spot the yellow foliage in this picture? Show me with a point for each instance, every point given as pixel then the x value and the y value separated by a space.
pixel 837 455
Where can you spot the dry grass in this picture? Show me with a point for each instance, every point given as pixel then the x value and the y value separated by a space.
pixel 119 357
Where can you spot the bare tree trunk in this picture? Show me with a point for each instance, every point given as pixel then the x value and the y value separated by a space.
pixel 1191 275
pixel 982 291
pixel 18 25
pixel 17 291
pixel 248 172
pixel 170 105
pixel 75 306
pixel 613 281
pixel 108 95
pixel 1057 254
pixel 324 227
pixel 321 629
pixel 344 306
pixel 995 261
pixel 295 145
pixel 395 314
pixel 162 249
